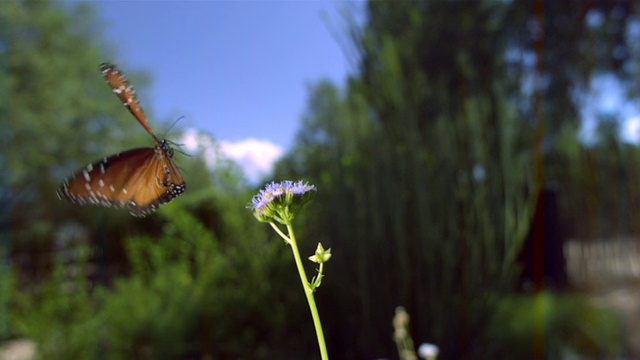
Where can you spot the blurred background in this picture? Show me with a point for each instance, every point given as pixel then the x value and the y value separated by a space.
pixel 476 163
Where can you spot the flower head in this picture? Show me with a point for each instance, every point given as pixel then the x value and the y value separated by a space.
pixel 279 201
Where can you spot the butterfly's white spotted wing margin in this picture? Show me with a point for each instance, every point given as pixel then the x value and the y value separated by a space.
pixel 139 179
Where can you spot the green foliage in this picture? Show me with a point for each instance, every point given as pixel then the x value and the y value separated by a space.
pixel 151 313
pixel 599 183
pixel 424 164
pixel 60 315
pixel 50 71
pixel 424 174
pixel 6 291
pixel 188 294
pixel 556 324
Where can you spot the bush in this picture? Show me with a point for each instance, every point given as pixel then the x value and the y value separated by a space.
pixel 188 294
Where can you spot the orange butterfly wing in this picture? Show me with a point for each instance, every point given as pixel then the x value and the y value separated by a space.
pixel 124 91
pixel 139 179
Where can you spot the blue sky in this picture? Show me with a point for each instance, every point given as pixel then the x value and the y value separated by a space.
pixel 606 96
pixel 239 70
pixel 236 70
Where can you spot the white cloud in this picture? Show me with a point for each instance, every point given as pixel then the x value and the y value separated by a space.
pixel 195 141
pixel 631 130
pixel 255 157
pixel 190 139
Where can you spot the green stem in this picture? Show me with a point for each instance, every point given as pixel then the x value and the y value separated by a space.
pixel 282 235
pixel 309 293
pixel 318 277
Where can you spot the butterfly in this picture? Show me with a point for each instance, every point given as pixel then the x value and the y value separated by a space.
pixel 140 179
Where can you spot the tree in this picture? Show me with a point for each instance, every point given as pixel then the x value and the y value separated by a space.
pixel 424 175
pixel 54 85
pixel 425 165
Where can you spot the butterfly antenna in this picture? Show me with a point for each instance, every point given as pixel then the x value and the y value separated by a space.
pixel 174 123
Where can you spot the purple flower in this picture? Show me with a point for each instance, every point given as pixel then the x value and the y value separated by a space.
pixel 278 200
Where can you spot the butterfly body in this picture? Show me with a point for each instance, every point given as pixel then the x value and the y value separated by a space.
pixel 140 179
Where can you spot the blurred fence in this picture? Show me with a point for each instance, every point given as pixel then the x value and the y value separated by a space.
pixel 603 260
